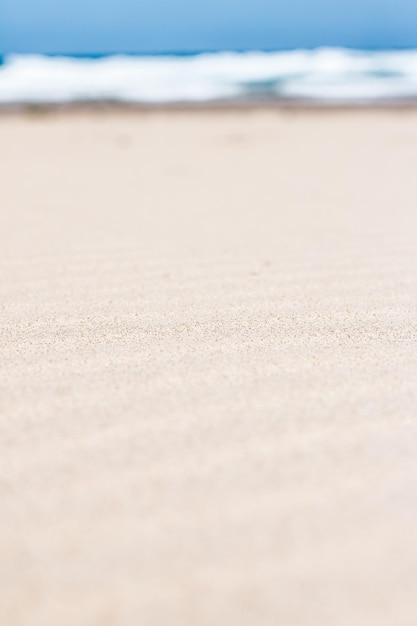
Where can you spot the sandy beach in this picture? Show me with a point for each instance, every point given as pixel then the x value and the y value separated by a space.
pixel 208 367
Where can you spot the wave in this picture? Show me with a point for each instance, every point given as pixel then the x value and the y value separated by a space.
pixel 326 75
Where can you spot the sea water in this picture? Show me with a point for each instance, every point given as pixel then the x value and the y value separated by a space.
pixel 322 75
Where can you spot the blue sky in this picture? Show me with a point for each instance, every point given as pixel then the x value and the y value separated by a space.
pixel 171 25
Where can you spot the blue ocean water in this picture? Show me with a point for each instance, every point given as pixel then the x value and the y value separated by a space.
pixel 321 75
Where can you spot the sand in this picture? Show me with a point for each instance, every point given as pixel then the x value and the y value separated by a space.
pixel 208 368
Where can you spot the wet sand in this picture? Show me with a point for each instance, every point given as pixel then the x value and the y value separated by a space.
pixel 208 368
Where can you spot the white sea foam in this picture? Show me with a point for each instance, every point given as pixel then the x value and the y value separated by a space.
pixel 324 75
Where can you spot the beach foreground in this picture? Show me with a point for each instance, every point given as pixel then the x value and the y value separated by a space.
pixel 208 364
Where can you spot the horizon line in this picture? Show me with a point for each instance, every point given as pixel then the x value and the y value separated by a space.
pixel 197 52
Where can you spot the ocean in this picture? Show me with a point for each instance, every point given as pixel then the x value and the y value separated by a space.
pixel 326 75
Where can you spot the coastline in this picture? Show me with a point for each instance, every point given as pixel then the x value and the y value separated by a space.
pixel 229 105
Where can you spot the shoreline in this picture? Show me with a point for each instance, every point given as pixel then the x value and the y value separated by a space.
pixel 223 106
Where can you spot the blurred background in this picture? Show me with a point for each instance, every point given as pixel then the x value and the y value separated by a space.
pixel 177 51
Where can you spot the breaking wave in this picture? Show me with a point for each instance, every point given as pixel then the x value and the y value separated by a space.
pixel 324 75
